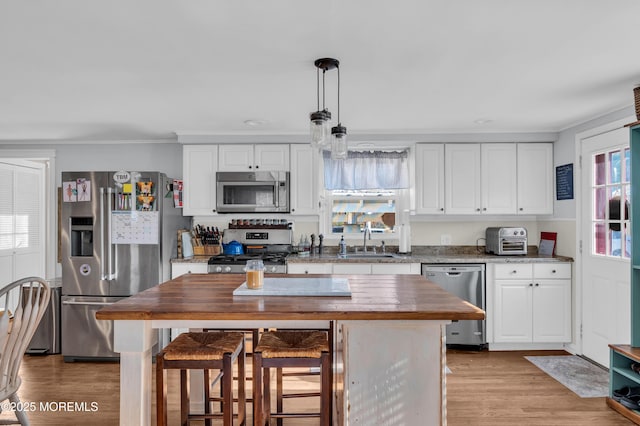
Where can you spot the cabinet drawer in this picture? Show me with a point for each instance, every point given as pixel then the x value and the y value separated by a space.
pixel 513 271
pixel 552 270
pixel 352 268
pixel 178 269
pixel 309 268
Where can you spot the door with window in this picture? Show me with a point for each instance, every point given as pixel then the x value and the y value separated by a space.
pixel 21 220
pixel 606 243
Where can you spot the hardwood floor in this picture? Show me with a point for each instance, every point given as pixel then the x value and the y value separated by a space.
pixel 503 388
pixel 484 388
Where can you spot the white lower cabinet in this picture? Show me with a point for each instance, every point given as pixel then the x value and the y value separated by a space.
pixel 178 269
pixel 354 268
pixel 532 303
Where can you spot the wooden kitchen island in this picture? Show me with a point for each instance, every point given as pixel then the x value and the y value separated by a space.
pixel 389 363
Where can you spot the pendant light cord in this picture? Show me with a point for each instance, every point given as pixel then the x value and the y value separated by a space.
pixel 338 68
pixel 323 91
pixel 318 88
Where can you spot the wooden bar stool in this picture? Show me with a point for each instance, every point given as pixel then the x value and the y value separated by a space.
pixel 287 349
pixel 203 351
pixel 255 335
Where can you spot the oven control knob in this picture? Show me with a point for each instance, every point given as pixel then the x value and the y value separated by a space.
pixel 227 268
pixel 218 268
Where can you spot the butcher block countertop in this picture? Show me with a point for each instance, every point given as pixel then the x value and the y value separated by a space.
pixel 373 297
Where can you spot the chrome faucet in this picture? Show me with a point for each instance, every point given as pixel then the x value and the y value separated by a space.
pixel 367 231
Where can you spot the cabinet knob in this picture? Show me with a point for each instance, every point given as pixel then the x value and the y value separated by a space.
pixel 214 210
pixel 250 167
pixel 514 272
pixel 553 272
pixel 530 284
pixel 257 167
pixel 293 210
pixel 478 209
pixel 441 209
pixel 521 209
pixel 484 209
pixel 537 284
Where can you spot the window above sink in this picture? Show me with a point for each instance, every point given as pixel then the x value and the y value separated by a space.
pixel 351 210
pixel 368 187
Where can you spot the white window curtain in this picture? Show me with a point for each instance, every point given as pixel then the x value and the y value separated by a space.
pixel 367 170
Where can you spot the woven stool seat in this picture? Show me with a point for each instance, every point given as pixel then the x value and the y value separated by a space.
pixel 293 344
pixel 203 351
pixel 202 346
pixel 291 349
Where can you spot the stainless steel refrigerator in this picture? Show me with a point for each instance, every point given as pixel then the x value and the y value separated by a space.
pixel 118 234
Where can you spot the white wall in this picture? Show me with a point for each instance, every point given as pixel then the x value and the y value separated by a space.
pixel 163 156
pixel 564 152
pixel 565 213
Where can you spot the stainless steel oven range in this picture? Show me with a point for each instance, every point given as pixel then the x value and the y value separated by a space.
pixel 271 245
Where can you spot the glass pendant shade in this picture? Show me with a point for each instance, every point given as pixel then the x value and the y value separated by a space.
pixel 319 126
pixel 339 147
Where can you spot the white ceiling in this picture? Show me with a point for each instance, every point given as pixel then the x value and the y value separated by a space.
pixel 147 69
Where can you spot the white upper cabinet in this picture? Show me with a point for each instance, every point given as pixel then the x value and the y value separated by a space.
pixel 260 157
pixel 499 172
pixel 462 178
pixel 484 178
pixel 303 179
pixel 535 178
pixel 430 178
pixel 199 167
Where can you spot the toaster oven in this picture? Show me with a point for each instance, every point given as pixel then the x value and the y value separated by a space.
pixel 506 241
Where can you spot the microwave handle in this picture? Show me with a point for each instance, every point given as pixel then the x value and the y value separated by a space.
pixel 277 203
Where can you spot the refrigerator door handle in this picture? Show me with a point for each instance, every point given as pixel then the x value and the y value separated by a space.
pixel 72 302
pixel 103 275
pixel 112 274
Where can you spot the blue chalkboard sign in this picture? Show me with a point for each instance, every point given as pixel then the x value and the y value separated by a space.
pixel 564 182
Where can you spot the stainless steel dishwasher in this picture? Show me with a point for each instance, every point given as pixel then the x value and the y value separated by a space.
pixel 467 282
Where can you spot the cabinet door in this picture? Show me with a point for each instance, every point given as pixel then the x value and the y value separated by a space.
pixel 199 167
pixel 430 178
pixel 304 191
pixel 309 268
pixel 512 313
pixel 552 310
pixel 352 268
pixel 535 178
pixel 462 178
pixel 270 157
pixel 499 172
pixel 236 158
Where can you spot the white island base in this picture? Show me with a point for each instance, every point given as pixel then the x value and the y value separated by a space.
pixel 387 372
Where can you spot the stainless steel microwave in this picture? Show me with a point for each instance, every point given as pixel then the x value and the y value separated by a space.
pixel 252 192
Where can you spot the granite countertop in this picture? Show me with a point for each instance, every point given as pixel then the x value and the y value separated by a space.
pixel 419 254
pixel 194 259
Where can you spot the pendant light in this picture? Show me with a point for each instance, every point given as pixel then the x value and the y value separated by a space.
pixel 320 118
pixel 339 148
pixel 319 124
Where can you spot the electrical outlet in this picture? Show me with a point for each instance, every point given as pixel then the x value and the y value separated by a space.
pixel 445 239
